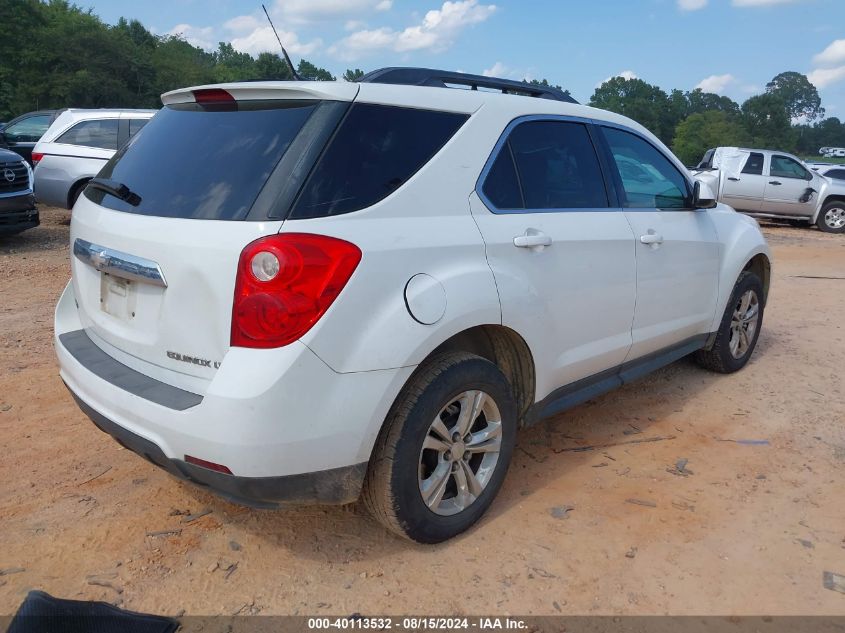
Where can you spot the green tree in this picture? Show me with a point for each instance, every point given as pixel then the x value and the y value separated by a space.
pixel 270 67
pixel 353 75
pixel 309 72
pixel 798 95
pixel 700 101
pixel 703 130
pixel 638 100
pixel 766 119
pixel 545 84
pixel 232 65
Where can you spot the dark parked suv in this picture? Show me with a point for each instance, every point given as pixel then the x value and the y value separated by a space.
pixel 17 202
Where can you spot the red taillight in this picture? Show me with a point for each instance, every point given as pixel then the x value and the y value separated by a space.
pixel 285 283
pixel 36 157
pixel 196 461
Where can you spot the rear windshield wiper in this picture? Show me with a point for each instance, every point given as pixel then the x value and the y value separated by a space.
pixel 116 189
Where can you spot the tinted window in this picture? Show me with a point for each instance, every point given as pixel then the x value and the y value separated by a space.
pixel 101 134
pixel 785 167
pixel 135 125
pixel 753 164
pixel 211 165
pixel 29 130
pixel 839 174
pixel 502 184
pixel 649 179
pixel 374 152
pixel 556 165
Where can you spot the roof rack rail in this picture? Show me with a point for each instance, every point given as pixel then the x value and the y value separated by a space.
pixel 446 79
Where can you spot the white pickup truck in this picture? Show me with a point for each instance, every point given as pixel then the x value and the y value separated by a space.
pixel 773 185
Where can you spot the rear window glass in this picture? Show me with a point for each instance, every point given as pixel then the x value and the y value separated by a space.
pixel 101 134
pixel 374 152
pixel 209 165
pixel 754 164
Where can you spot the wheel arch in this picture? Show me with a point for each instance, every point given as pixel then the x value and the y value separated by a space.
pixel 834 197
pixel 75 190
pixel 503 347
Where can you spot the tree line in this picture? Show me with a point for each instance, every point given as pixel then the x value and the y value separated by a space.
pixel 54 54
pixel 694 121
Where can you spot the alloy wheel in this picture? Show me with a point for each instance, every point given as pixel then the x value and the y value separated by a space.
pixel 460 453
pixel 744 323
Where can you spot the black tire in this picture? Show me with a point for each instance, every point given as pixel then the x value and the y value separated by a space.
pixel 824 221
pixel 392 489
pixel 719 357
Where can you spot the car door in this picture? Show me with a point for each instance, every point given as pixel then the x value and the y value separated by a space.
pixel 677 248
pixel 562 258
pixel 744 191
pixel 786 188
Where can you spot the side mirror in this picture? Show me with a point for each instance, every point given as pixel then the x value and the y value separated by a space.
pixel 703 196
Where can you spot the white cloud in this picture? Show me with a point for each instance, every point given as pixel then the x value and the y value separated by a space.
pixel 716 83
pixel 823 77
pixel 202 36
pixel 437 31
pixel 832 55
pixel 625 74
pixel 262 40
pixel 691 5
pixel 384 5
pixel 761 3
pixel 498 70
pixel 354 25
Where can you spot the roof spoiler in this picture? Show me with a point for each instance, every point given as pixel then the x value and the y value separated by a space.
pixel 447 79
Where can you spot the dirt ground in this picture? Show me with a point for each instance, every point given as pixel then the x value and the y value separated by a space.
pixel 747 528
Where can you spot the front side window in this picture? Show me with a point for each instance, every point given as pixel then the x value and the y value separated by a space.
pixel 375 151
pixel 838 174
pixel 785 167
pixel 29 130
pixel 101 134
pixel 649 179
pixel 754 164
pixel 546 165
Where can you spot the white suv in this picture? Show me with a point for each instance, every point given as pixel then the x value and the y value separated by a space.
pixel 296 292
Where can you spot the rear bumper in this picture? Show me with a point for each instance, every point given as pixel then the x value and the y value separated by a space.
pixel 289 428
pixel 18 213
pixel 335 486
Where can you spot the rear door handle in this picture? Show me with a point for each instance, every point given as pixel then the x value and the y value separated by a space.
pixel 731 178
pixel 651 238
pixel 774 182
pixel 532 239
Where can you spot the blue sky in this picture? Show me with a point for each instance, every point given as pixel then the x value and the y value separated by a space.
pixel 731 47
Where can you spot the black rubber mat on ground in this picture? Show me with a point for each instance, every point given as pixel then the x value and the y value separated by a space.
pixel 42 613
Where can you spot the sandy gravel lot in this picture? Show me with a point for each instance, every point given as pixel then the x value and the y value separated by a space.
pixel 749 530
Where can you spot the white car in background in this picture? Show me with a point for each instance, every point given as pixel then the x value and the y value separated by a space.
pixel 75 148
pixel 293 292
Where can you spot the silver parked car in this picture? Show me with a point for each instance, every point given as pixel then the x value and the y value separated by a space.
pixel 75 148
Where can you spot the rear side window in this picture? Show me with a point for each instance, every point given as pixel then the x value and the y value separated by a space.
pixel 649 179
pixel 374 152
pixel 547 165
pixel 203 164
pixel 135 126
pixel 754 164
pixel 101 134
